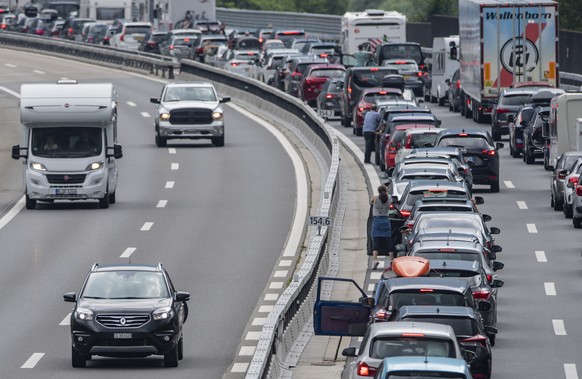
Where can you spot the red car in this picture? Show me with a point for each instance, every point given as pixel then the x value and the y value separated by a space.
pixel 314 78
pixel 396 142
pixel 368 98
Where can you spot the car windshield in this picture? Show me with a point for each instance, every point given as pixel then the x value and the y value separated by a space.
pixel 472 142
pixel 462 326
pixel 426 297
pixel 66 142
pixel 401 51
pixel 189 94
pixel 473 278
pixel 125 285
pixel 381 348
pixel 137 29
pixel 372 97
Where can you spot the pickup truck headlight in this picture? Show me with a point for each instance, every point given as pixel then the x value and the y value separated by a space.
pixel 217 116
pixel 94 166
pixel 84 314
pixel 164 116
pixel 37 166
pixel 164 313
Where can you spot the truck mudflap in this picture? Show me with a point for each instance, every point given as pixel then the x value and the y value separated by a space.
pixel 335 317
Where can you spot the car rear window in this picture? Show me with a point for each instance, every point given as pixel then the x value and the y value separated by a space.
pixel 426 297
pixel 423 140
pixel 461 325
pixel 381 348
pixel 424 374
pixel 469 142
pixel 403 67
pixel 515 99
pixel 415 195
pixel 137 29
pixel 460 256
pixel 371 77
pixel 327 73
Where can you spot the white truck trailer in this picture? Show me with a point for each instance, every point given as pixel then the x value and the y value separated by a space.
pixel 504 42
pixel 563 131
pixel 69 142
pixel 444 64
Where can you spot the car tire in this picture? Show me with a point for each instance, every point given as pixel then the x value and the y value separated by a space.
pixel 112 198
pixel 495 135
pixel 492 340
pixel 558 205
pixel 181 348
pixel 529 159
pixel 171 359
pixel 495 187
pixel 161 141
pixel 30 203
pixel 104 202
pixel 359 132
pixel 78 360
pixel 346 122
pixel 433 99
pixel 515 154
pixel 441 101
pixel 568 211
pixel 218 141
pixel 577 222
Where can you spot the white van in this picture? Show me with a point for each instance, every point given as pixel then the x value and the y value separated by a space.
pixel 562 130
pixel 69 137
pixel 444 64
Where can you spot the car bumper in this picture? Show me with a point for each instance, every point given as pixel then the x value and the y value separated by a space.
pixel 214 129
pixel 94 186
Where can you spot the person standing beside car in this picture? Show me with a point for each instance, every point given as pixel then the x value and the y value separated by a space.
pixel 371 121
pixel 381 229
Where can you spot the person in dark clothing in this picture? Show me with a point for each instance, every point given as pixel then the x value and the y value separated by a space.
pixel 371 121
pixel 381 228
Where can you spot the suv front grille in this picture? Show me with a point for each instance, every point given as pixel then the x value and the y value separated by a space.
pixel 123 321
pixel 192 116
pixel 65 178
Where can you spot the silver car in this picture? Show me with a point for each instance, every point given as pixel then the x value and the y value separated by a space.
pixel 569 187
pixel 189 110
pixel 558 178
pixel 577 205
pixel 399 338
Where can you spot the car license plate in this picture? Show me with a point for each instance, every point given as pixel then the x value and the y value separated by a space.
pixel 406 77
pixel 124 336
pixel 66 191
pixel 325 112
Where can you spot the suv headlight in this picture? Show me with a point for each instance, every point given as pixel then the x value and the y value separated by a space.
pixel 84 314
pixel 94 166
pixel 164 116
pixel 217 116
pixel 164 313
pixel 37 166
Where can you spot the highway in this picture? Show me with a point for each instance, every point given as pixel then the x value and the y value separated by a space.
pixel 221 232
pixel 217 219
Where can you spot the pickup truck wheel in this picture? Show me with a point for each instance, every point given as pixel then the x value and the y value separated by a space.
pixel 161 141
pixel 78 359
pixel 495 187
pixel 30 203
pixel 218 141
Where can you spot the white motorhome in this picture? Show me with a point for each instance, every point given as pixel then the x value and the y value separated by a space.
pixel 444 64
pixel 371 27
pixel 562 130
pixel 69 135
pixel 109 10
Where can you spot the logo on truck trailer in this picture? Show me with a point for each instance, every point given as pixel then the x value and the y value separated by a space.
pixel 519 56
pixel 508 15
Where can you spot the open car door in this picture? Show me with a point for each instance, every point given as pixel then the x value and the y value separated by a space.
pixel 339 317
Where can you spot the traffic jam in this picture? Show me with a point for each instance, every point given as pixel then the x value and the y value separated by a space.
pixel 429 306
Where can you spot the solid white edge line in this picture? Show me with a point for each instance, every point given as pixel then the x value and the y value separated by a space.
pixel 12 212
pixel 570 371
pixel 33 360
pixel 541 256
pixel 550 288
pixel 66 321
pixel 127 253
pixel 301 203
pixel 559 327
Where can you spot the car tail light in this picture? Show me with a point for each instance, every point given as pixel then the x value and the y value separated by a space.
pixel 458 83
pixel 578 190
pixel 171 47
pixel 199 50
pixel 330 96
pixel 405 213
pixel 70 31
pixel 381 315
pixel 573 179
pixel 502 110
pixel 90 39
pixel 490 153
pixel 3 26
pixel 365 370
pixel 234 64
pixel 107 39
pixel 561 176
pixel 349 90
pixel 296 74
pixel 489 278
pixel 122 37
pixel 374 69
pixel 323 55
pixel 482 340
pixel 447 249
pixel 364 107
pixel 481 295
pixel 420 74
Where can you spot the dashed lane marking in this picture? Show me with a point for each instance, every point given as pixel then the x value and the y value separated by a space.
pixel 271 297
pixel 541 256
pixel 10 65
pixel 550 288
pixel 521 205
pixel 559 327
pixel 170 184
pixel 247 351
pixel 175 166
pixel 33 360
pixel 66 321
pixel 508 184
pixel 38 72
pixel 239 367
pixel 131 104
pixel 145 114
pixel 531 228
pixel 570 371
pixel 171 150
pixel 127 253
pixel 147 226
pixel 162 204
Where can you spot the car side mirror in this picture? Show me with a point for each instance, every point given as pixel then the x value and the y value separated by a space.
pixel 225 99
pixel 510 118
pixel 182 296
pixel 497 283
pixel 484 306
pixel 16 152
pixel 491 330
pixel 499 145
pixel 497 265
pixel 400 248
pixel 154 100
pixel 403 229
pixel 70 297
pixel 479 200
pixel 486 217
pixel 496 249
pixel 349 352
pixel 492 256
pixel 494 230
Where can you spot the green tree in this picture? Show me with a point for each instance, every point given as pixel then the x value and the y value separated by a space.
pixel 570 15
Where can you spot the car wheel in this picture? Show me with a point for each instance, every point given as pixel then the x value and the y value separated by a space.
pixel 495 187
pixel 346 121
pixel 515 153
pixel 30 203
pixel 558 205
pixel 455 107
pixel 577 222
pixel 552 202
pixel 442 101
pixel 492 340
pixel 218 141
pixel 568 211
pixel 433 99
pixel 161 141
pixel 529 159
pixel 171 359
pixel 112 198
pixel 181 348
pixel 78 359
pixel 104 202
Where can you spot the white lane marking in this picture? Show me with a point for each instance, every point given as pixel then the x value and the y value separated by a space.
pixel 171 150
pixel 294 239
pixel 10 92
pixel 541 256
pixel 175 166
pixel 281 274
pixel 371 287
pixel 239 367
pixel 508 184
pixel 247 351
pixel 12 212
pixel 127 253
pixel 265 308
pixel 521 205
pixel 10 65
pixel 131 104
pixel 375 275
pixel 532 228
pixel 253 336
pixel 145 114
pixel 285 263
pixel 550 288
pixel 259 321
pixel 147 226
pixel 38 72
pixel 271 297
pixel 33 360
pixel 162 204
pixel 559 327
pixel 170 184
pixel 570 371
pixel 66 321
pixel 276 285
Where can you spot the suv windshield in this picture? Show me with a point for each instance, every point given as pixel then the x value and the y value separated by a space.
pixel 125 285
pixel 411 346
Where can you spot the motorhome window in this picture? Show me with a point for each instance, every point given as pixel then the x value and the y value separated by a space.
pixel 66 142
pixel 109 13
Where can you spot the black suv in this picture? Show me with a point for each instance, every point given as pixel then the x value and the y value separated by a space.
pixel 480 152
pixel 533 140
pixel 127 311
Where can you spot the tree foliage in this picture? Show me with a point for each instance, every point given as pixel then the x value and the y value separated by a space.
pixel 337 7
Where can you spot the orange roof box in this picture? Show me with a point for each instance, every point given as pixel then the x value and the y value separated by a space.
pixel 410 266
